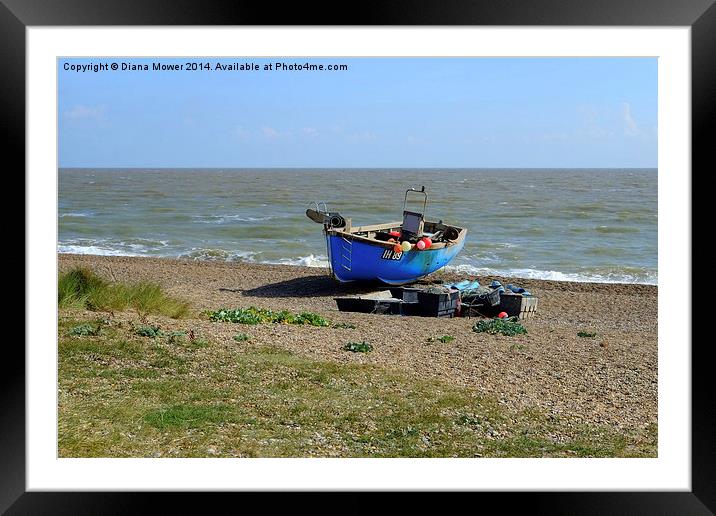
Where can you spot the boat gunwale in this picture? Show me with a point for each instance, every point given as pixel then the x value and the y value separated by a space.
pixel 350 235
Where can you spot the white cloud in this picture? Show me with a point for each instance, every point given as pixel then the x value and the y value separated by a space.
pixel 240 133
pixel 270 132
pixel 630 127
pixel 362 136
pixel 310 131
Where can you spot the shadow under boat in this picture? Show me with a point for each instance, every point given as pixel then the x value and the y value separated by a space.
pixel 312 286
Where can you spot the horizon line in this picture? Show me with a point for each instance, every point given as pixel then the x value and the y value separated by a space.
pixel 355 168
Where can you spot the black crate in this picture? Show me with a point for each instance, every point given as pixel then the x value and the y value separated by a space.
pixel 519 305
pixel 368 306
pixel 491 298
pixel 514 305
pixel 410 309
pixel 438 304
pixel 407 294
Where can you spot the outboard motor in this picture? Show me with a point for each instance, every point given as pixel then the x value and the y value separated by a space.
pixel 328 219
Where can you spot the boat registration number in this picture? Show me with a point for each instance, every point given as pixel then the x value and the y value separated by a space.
pixel 389 254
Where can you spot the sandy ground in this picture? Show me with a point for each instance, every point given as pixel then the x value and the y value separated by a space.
pixel 609 380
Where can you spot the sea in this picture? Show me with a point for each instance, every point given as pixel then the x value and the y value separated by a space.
pixel 596 225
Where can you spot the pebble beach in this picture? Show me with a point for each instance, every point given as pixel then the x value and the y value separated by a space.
pixel 609 379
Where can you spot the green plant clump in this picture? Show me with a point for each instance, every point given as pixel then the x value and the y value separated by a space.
pixel 241 337
pixel 502 326
pixel 358 347
pixel 253 315
pixel 444 339
pixel 149 331
pixel 85 330
pixel 586 334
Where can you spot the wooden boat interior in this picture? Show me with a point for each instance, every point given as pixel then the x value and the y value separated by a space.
pixel 442 235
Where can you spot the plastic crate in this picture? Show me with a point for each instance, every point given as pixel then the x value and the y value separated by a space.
pixel 407 294
pixel 412 309
pixel 368 306
pixel 438 304
pixel 515 305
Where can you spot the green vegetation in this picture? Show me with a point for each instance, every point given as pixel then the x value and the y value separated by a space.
pixel 507 327
pixel 358 347
pixel 176 337
pixel 85 329
pixel 241 337
pixel 187 416
pixel 81 288
pixel 198 343
pixel 345 326
pixel 253 315
pixel 586 334
pixel 444 339
pixel 149 331
pixel 123 395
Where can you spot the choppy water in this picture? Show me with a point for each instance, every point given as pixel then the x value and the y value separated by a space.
pixel 583 225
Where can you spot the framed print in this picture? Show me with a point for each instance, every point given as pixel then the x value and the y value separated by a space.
pixel 523 324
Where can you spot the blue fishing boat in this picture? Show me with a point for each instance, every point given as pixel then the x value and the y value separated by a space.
pixel 395 252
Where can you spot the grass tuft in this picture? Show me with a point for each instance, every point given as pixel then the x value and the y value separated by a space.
pixel 586 334
pixel 75 286
pixel 81 288
pixel 187 416
pixel 176 337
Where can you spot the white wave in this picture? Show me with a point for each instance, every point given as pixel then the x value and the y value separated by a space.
pixel 76 214
pixel 648 278
pixel 223 219
pixel 94 249
pixel 220 255
pixel 305 261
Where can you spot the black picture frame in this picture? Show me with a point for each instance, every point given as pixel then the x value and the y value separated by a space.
pixel 700 15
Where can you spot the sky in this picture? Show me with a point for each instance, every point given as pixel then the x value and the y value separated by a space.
pixel 380 112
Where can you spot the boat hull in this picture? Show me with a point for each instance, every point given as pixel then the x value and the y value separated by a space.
pixel 355 260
